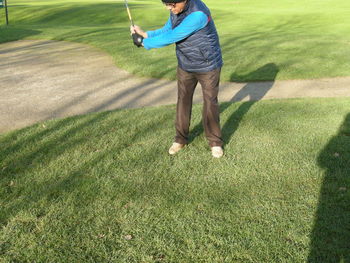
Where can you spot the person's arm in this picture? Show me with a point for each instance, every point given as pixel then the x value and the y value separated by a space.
pixel 160 31
pixel 191 24
pixel 136 29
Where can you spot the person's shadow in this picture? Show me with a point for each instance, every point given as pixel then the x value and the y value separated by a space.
pixel 330 237
pixel 252 92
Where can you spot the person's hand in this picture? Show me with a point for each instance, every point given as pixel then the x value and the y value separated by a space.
pixel 137 35
pixel 136 29
pixel 132 30
pixel 137 39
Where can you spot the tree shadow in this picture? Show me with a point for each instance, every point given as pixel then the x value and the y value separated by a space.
pixel 330 238
pixel 10 33
pixel 252 92
pixel 71 13
pixel 109 95
pixel 49 143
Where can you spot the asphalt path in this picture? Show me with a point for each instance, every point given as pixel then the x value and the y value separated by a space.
pixel 42 80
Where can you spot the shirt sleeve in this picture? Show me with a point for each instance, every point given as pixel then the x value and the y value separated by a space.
pixel 191 24
pixel 162 30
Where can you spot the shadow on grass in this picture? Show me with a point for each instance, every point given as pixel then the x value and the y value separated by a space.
pixel 11 33
pixel 73 14
pixel 35 55
pixel 25 152
pixel 252 92
pixel 330 239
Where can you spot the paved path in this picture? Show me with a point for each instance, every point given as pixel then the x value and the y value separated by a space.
pixel 42 80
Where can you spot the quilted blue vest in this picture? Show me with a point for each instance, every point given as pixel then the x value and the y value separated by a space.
pixel 199 52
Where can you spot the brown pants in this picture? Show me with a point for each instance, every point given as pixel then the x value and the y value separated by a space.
pixel 187 82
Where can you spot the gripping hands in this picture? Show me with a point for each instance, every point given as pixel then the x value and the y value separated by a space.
pixel 138 39
pixel 137 35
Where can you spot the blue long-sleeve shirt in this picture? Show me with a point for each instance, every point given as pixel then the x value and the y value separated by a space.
pixel 166 35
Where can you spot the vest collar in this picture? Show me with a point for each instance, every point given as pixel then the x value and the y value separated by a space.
pixel 187 6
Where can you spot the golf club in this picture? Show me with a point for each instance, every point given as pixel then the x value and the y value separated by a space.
pixel 137 39
pixel 128 10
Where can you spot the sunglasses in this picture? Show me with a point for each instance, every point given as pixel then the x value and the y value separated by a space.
pixel 171 5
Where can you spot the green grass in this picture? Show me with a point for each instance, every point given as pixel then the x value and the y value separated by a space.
pixel 305 39
pixel 73 189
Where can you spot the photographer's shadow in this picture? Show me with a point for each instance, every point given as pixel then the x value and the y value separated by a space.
pixel 251 93
pixel 330 237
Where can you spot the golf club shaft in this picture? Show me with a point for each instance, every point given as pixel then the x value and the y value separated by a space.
pixel 129 14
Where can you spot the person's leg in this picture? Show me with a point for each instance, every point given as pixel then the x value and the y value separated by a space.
pixel 187 83
pixel 211 112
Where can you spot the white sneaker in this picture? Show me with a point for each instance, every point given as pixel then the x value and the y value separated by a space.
pixel 217 151
pixel 175 148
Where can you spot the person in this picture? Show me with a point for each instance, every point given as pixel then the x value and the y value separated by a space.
pixel 198 52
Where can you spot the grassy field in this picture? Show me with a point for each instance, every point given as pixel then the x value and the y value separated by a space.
pixel 305 39
pixel 102 188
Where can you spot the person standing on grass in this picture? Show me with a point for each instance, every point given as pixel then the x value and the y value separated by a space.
pixel 198 52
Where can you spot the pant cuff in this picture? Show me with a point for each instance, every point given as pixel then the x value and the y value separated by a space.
pixel 213 144
pixel 180 141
